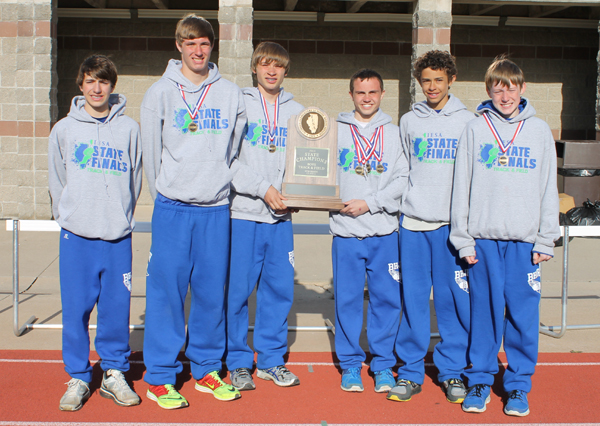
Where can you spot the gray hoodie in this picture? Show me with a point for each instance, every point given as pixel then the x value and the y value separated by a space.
pixel 516 202
pixel 191 164
pixel 94 171
pixel 256 168
pixel 429 140
pixel 381 191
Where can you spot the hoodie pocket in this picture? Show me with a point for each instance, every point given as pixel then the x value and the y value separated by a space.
pixel 95 218
pixel 504 218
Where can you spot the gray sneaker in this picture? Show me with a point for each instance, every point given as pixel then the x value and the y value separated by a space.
pixel 77 393
pixel 403 391
pixel 115 387
pixel 241 379
pixel 280 375
pixel 455 390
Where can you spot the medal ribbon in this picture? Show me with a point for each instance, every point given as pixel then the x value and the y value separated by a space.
pixel 263 103
pixel 198 104
pixel 371 145
pixel 497 135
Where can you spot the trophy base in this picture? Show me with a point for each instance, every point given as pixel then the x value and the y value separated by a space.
pixel 312 203
pixel 312 197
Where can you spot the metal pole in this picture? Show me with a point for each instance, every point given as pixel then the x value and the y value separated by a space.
pixel 16 329
pixel 548 330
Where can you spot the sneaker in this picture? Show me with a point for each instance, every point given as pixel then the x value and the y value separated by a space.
pixel 517 404
pixel 77 393
pixel 477 398
pixel 351 380
pixel 455 390
pixel 384 380
pixel 212 383
pixel 280 375
pixel 166 397
pixel 115 387
pixel 241 379
pixel 403 390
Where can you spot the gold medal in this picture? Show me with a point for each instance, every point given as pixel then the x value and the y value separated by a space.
pixel 272 148
pixel 359 170
pixel 192 127
pixel 368 168
pixel 380 168
pixel 503 160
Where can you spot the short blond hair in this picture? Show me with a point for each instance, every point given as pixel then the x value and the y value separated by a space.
pixel 193 26
pixel 503 71
pixel 268 52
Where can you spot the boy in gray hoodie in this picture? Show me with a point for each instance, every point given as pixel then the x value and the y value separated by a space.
pixel 95 178
pixel 192 122
pixel 504 223
pixel 372 172
pixel 262 240
pixel 429 135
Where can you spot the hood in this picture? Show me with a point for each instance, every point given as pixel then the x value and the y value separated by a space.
pixel 253 92
pixel 173 74
pixel 380 119
pixel 423 110
pixel 116 104
pixel 526 110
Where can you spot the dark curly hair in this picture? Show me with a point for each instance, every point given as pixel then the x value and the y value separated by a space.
pixel 436 60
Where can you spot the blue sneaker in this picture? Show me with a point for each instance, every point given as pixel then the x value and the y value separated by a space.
pixel 477 398
pixel 517 404
pixel 384 380
pixel 351 381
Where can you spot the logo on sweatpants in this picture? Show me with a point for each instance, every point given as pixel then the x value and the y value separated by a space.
pixel 127 281
pixel 535 280
pixel 461 279
pixel 291 257
pixel 394 271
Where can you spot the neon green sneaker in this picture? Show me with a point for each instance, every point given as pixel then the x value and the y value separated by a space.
pixel 166 397
pixel 212 383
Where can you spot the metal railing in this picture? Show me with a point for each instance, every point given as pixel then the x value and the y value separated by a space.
pixel 144 227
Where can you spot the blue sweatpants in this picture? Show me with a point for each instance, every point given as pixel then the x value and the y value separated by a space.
pixel 377 257
pixel 263 254
pixel 94 271
pixel 428 259
pixel 190 246
pixel 504 278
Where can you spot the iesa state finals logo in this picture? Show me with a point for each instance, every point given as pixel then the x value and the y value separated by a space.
pixel 519 158
pixel 100 158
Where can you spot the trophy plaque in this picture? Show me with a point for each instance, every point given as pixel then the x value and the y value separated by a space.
pixel 311 162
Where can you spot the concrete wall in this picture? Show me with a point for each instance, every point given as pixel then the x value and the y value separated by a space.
pixel 28 96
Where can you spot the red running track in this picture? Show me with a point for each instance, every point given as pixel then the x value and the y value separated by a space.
pixel 565 390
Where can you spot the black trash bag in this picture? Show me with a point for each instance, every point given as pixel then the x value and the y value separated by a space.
pixel 587 215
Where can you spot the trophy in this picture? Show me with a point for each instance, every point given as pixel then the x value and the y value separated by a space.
pixel 311 166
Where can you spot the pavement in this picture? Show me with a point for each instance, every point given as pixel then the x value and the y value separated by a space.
pixel 313 305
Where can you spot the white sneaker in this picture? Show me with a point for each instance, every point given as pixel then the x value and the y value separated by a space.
pixel 115 387
pixel 77 393
pixel 279 374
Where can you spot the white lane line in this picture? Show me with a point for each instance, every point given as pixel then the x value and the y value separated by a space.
pixel 259 424
pixel 326 364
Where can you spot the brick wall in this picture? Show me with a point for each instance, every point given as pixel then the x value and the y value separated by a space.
pixel 559 64
pixel 27 78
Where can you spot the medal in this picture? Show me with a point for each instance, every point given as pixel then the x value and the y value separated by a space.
pixel 379 168
pixel 503 159
pixel 272 133
pixel 272 148
pixel 370 148
pixel 192 127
